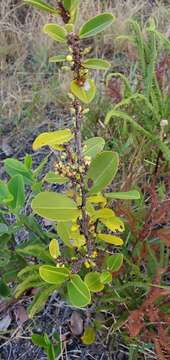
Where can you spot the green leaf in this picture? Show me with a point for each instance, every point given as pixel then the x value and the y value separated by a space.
pixel 40 299
pixel 38 250
pixel 93 146
pixel 71 4
pixel 55 207
pixel 31 281
pixel 54 178
pixel 5 195
pixel 85 93
pixel 54 248
pixel 14 167
pixel 96 64
pixel 39 4
pixel 5 255
pixel 16 188
pixel 64 231
pixel 101 171
pixel 15 264
pixel 106 277
pixel 114 224
pixel 57 58
pixel 54 275
pixel 114 262
pixel 3 229
pixel 93 281
pixel 39 341
pixel 52 139
pixel 103 214
pixel 110 239
pixel 96 25
pixel 89 336
pixel 78 292
pixel 129 195
pixel 4 289
pixel 56 32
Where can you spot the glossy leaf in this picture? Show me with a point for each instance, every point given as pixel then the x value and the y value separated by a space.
pixel 78 292
pixel 55 32
pixel 54 178
pixel 14 167
pixel 57 58
pixel 16 188
pixel 86 92
pixel 96 25
pixel 129 195
pixel 106 277
pixel 52 139
pixel 54 248
pixel 39 4
pixel 110 239
pixel 93 281
pixel 103 214
pixel 115 224
pixel 96 64
pixel 93 146
pixel 64 231
pixel 54 275
pixel 114 262
pixel 55 207
pixel 5 195
pixel 89 336
pixel 101 171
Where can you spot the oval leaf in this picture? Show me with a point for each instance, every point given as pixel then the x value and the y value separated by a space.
pixel 39 4
pixel 54 275
pixel 55 207
pixel 56 32
pixel 106 277
pixel 54 178
pixel 54 249
pixel 114 224
pixel 52 139
pixel 102 171
pixel 95 25
pixel 129 195
pixel 78 292
pixel 93 281
pixel 103 214
pixel 96 64
pixel 115 262
pixel 110 239
pixel 93 146
pixel 89 336
pixel 85 93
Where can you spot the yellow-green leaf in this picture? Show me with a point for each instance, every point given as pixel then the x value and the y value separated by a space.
pixel 54 178
pixel 56 32
pixel 93 146
pixel 128 195
pixel 39 4
pixel 86 92
pixel 102 170
pixel 106 277
pixel 54 248
pixel 114 262
pixel 52 139
pixel 103 214
pixel 97 199
pixel 64 231
pixel 110 239
pixel 77 240
pixel 93 281
pixel 55 207
pixel 89 336
pixel 96 64
pixel 95 25
pixel 54 275
pixel 57 58
pixel 78 292
pixel 114 224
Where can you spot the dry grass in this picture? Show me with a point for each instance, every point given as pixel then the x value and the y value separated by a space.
pixel 28 83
